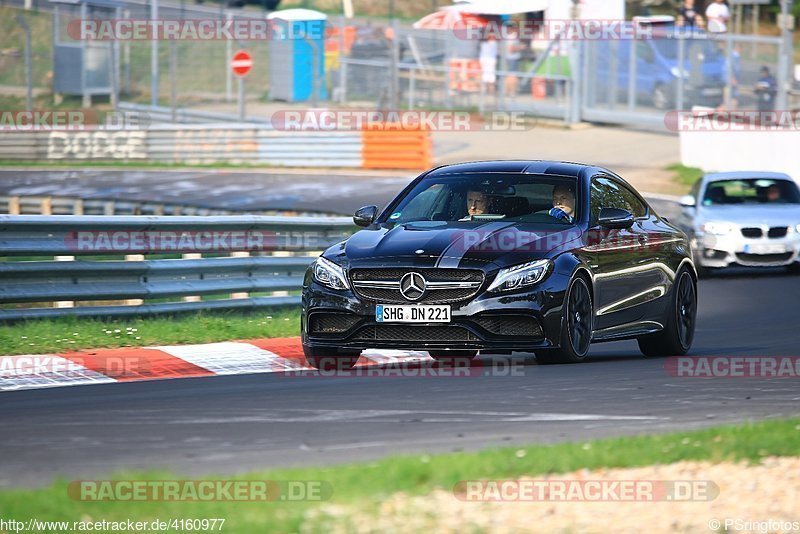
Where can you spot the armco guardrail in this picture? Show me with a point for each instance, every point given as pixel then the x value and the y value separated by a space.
pixel 55 205
pixel 219 143
pixel 261 248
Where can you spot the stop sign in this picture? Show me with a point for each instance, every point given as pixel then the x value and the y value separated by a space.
pixel 241 63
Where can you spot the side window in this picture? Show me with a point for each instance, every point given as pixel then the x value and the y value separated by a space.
pixel 636 207
pixel 607 193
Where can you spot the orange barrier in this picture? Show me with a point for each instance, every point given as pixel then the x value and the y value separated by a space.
pixel 539 88
pixel 392 147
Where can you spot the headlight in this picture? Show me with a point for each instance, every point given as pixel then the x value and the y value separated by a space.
pixel 329 274
pixel 718 228
pixel 519 276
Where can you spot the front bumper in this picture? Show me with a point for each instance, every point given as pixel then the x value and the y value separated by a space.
pixel 522 321
pixel 718 251
pixel 704 95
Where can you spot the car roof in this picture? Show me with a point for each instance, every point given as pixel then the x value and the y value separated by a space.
pixel 543 167
pixel 744 175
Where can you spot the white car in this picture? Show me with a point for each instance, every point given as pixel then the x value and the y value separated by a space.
pixel 749 219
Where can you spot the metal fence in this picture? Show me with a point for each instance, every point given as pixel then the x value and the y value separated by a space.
pixel 390 65
pixel 155 264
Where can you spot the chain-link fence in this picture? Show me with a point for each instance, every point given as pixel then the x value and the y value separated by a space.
pixel 386 64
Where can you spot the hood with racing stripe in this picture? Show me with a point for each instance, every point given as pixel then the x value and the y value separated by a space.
pixel 494 244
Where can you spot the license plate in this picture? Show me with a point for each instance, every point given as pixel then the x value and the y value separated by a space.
pixel 412 314
pixel 764 249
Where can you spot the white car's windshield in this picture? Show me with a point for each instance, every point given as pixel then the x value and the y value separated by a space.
pixel 751 191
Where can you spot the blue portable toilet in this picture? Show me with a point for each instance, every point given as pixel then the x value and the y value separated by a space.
pixel 296 51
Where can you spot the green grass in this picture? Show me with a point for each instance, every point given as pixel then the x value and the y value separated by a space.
pixel 364 486
pixel 685 176
pixel 61 335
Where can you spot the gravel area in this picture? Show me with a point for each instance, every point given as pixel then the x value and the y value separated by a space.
pixel 759 494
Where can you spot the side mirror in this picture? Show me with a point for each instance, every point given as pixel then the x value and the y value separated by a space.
pixel 615 218
pixel 688 201
pixel 365 216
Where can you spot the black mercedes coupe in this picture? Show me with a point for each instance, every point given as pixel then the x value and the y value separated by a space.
pixel 533 256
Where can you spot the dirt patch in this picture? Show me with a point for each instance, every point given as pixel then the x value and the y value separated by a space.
pixel 764 492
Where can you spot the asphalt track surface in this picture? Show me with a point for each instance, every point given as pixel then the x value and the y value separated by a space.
pixel 338 192
pixel 230 424
pixel 237 423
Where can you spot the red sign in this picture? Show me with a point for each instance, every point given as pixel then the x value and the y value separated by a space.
pixel 242 63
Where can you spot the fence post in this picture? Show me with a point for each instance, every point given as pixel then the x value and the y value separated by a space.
pixel 28 63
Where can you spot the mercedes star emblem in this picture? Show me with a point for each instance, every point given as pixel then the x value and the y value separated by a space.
pixel 412 286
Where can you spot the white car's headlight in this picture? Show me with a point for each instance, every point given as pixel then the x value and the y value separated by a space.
pixel 718 228
pixel 329 274
pixel 519 276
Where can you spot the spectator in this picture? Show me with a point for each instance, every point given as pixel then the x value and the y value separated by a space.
pixel 513 48
pixel 488 61
pixel 766 90
pixel 688 16
pixel 718 15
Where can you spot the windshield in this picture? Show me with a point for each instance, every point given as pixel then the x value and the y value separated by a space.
pixel 481 197
pixel 752 191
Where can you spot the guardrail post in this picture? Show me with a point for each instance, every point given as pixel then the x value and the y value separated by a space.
pixel 191 256
pixel 46 206
pixel 281 254
pixel 64 303
pixel 13 205
pixel 134 257
pixel 243 295
pixel 77 207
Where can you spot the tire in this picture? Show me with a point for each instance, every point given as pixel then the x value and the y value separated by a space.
pixel 331 359
pixel 678 334
pixel 794 268
pixel 576 327
pixel 662 99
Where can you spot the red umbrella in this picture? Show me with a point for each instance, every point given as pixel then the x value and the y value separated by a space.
pixel 449 18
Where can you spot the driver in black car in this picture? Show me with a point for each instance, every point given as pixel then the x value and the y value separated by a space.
pixel 477 203
pixel 563 204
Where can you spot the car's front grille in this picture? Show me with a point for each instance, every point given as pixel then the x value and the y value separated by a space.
pixel 383 285
pixel 752 233
pixel 431 334
pixel 764 258
pixel 778 232
pixel 510 325
pixel 331 323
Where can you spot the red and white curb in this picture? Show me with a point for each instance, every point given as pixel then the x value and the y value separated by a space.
pixel 103 366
